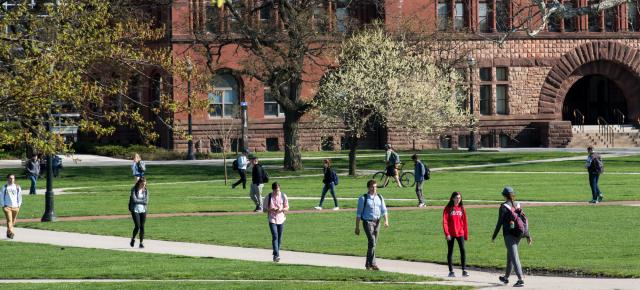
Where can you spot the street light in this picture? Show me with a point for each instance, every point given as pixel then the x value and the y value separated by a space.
pixel 190 155
pixel 472 137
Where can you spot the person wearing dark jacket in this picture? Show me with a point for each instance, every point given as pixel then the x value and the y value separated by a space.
pixel 258 178
pixel 510 241
pixel 418 172
pixel 33 171
pixel 329 181
pixel 138 201
pixel 594 167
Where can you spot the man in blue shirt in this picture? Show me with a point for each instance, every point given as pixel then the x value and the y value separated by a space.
pixel 370 208
pixel 419 171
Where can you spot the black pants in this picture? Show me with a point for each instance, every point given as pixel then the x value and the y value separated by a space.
pixel 138 221
pixel 463 257
pixel 243 178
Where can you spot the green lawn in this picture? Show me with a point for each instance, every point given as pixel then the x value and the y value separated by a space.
pixel 598 240
pixel 230 285
pixel 611 165
pixel 37 261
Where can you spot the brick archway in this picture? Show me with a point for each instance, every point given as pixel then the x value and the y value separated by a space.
pixel 616 61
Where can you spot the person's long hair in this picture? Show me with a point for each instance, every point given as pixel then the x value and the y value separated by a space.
pixel 139 183
pixel 452 203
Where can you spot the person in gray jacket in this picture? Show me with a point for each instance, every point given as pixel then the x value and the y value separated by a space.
pixel 33 171
pixel 138 207
pixel 510 241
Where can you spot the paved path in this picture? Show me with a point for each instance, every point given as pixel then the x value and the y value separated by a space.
pixel 481 279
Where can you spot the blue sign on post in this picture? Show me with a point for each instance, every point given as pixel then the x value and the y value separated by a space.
pixel 243 104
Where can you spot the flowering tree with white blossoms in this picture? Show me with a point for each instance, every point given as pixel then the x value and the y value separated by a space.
pixel 382 79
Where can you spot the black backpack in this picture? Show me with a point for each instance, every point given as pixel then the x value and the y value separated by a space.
pixel 234 165
pixel 265 176
pixel 597 166
pixel 427 171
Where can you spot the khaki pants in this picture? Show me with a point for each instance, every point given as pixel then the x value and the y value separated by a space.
pixel 11 213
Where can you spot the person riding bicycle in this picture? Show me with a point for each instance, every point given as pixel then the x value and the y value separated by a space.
pixel 392 160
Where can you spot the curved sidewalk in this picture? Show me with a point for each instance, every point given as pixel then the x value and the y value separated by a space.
pixel 484 280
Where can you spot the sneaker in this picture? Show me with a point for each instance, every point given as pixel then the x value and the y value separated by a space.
pixel 374 268
pixel 10 236
pixel 258 209
pixel 367 267
pixel 336 208
pixel 600 197
pixel 520 283
pixel 452 275
pixel 465 274
pixel 133 242
pixel 504 279
pixel 421 205
pixel 276 259
pixel 141 246
pixel 318 207
pixel 593 201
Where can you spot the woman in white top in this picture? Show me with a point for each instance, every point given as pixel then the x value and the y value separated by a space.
pixel 138 207
pixel 10 201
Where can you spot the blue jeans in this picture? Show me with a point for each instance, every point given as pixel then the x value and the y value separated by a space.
pixel 276 237
pixel 593 182
pixel 331 186
pixel 34 180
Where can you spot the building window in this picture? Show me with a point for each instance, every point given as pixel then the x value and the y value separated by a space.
pixel 501 99
pixel 483 16
pixel 463 141
pixel 272 144
pixel 458 21
pixel 271 107
pixel 223 101
pixel 485 74
pixel 594 22
pixel 265 12
pixel 501 74
pixel 503 21
pixel 504 140
pixel 445 141
pixel 486 140
pixel 570 24
pixel 326 143
pixel 485 97
pixel 610 17
pixel 443 15
pixel 342 15
pixel 632 15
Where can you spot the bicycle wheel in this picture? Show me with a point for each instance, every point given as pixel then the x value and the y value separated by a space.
pixel 407 179
pixel 379 177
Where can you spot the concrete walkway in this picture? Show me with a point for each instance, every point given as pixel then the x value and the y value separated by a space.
pixel 484 280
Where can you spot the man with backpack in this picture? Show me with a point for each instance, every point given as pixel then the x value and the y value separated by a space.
pixel 240 165
pixel 33 171
pixel 370 208
pixel 392 160
pixel 514 224
pixel 422 174
pixel 258 178
pixel 595 167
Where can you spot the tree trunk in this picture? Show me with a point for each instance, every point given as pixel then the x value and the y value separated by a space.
pixel 353 145
pixel 292 156
pixel 224 165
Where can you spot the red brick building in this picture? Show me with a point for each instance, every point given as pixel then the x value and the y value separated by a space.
pixel 527 91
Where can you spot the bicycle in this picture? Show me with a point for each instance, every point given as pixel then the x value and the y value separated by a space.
pixel 407 179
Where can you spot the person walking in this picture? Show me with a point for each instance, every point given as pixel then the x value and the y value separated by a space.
pixel 506 220
pixel 276 204
pixel 258 178
pixel 371 208
pixel 595 167
pixel 392 160
pixel 138 167
pixel 11 201
pixel 242 163
pixel 138 201
pixel 454 223
pixel 330 180
pixel 33 171
pixel 419 171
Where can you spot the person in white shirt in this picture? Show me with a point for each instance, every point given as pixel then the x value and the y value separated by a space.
pixel 11 201
pixel 242 162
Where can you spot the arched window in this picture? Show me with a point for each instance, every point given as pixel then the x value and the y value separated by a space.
pixel 223 101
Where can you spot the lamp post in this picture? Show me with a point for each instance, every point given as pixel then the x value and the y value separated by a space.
pixel 190 155
pixel 245 127
pixel 472 137
pixel 49 215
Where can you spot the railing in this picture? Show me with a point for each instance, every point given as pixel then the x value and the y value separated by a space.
pixel 606 130
pixel 579 119
pixel 620 117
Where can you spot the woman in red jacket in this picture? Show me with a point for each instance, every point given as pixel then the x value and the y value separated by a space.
pixel 454 223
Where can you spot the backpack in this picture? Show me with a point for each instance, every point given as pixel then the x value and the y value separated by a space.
pixel 597 166
pixel 519 219
pixel 268 204
pixel 234 165
pixel 394 158
pixel 265 175
pixel 364 196
pixel 427 172
pixel 334 176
